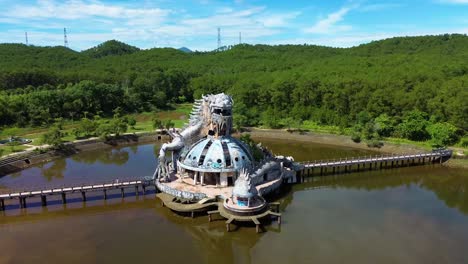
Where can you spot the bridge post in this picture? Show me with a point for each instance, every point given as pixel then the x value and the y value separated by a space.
pixel 122 192
pixel 358 166
pixel 43 200
pixel 2 205
pixel 144 189
pixel 334 169
pixel 22 201
pixel 105 194
pixel 136 190
pixel 321 170
pixel 64 198
pixel 83 196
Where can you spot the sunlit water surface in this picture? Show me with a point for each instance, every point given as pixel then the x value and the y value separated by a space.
pixel 405 215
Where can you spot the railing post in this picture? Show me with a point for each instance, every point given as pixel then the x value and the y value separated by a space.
pixel 43 200
pixel 64 198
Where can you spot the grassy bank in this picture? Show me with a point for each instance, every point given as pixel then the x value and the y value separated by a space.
pixel 308 130
pixel 178 116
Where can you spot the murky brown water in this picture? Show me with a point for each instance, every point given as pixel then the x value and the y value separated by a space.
pixel 406 215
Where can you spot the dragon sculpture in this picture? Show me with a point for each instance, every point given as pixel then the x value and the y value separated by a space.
pixel 210 115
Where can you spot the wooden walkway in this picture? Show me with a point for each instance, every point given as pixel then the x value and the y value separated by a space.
pixel 374 162
pixel 22 196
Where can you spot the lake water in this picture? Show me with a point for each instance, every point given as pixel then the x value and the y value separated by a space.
pixel 404 215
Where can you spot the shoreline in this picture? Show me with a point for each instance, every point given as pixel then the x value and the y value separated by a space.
pixel 30 158
pixel 26 159
pixel 341 140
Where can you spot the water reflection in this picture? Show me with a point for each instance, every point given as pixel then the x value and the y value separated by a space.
pixel 55 169
pixel 450 185
pixel 405 215
pixel 118 156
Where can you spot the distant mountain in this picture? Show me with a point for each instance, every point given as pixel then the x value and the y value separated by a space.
pixel 185 49
pixel 111 47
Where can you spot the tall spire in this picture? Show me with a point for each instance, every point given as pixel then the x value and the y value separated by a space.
pixel 65 40
pixel 219 38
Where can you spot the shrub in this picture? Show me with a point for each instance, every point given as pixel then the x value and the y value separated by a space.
pixel 374 143
pixel 356 137
pixel 464 142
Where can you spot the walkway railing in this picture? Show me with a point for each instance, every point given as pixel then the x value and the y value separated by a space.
pixel 383 160
pixel 142 182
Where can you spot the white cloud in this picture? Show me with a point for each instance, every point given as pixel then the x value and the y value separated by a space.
pixel 357 38
pixel 379 7
pixel 328 24
pixel 278 20
pixel 77 9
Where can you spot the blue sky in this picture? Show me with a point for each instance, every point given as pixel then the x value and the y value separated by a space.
pixel 194 23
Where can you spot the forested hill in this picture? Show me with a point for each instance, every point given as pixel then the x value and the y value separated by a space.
pixel 423 78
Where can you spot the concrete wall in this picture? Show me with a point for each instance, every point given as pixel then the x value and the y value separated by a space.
pixel 180 194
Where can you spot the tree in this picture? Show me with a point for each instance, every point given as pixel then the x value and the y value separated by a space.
pixel 87 127
pixel 53 137
pixel 169 124
pixel 131 122
pixel 239 121
pixel 414 126
pixel 119 126
pixel 104 130
pixel 157 124
pixel 384 125
pixel 442 134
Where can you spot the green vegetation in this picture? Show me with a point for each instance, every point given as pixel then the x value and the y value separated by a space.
pixel 407 87
pixel 254 149
pixel 54 137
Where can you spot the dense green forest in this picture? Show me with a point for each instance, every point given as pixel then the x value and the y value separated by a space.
pixel 409 87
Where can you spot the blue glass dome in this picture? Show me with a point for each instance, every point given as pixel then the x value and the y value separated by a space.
pixel 217 154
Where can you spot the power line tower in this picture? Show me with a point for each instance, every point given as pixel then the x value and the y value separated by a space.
pixel 240 38
pixel 65 40
pixel 219 38
pixel 26 36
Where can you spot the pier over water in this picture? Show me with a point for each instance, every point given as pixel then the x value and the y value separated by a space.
pixel 374 162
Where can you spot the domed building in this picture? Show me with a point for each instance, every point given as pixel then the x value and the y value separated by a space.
pixel 206 161
pixel 215 160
